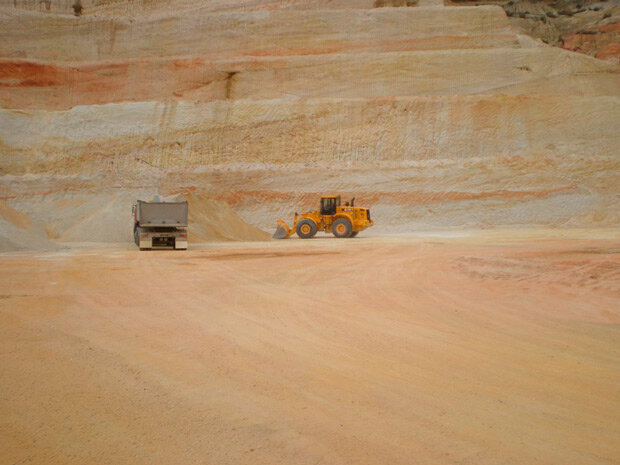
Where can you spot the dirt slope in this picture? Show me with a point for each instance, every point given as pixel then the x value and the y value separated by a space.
pixel 105 217
pixel 17 231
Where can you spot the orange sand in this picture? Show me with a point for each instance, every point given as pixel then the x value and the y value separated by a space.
pixel 484 350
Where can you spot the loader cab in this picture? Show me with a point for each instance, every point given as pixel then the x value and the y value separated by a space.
pixel 329 204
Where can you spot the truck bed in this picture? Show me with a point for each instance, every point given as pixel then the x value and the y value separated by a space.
pixel 162 214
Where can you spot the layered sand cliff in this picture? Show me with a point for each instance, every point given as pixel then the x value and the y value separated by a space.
pixel 435 117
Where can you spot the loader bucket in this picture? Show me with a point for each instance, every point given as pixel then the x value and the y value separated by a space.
pixel 282 231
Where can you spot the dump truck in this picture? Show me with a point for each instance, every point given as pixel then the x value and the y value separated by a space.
pixel 341 220
pixel 160 225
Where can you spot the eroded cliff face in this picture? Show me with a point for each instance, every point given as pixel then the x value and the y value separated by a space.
pixel 435 117
pixel 591 27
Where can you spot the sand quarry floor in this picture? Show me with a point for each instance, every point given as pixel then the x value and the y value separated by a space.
pixel 495 348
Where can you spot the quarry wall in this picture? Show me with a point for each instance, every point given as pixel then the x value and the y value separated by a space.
pixel 436 117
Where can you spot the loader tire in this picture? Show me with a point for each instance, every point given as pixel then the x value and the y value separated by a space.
pixel 306 229
pixel 342 228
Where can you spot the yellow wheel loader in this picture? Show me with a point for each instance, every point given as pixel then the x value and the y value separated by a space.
pixel 342 221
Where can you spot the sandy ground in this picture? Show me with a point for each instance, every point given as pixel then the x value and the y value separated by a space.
pixel 493 349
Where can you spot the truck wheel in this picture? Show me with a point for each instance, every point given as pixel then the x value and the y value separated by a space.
pixel 342 228
pixel 306 229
